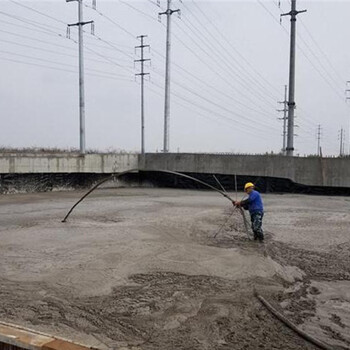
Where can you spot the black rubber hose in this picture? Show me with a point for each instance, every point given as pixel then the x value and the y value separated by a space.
pixel 133 170
pixel 94 188
pixel 292 326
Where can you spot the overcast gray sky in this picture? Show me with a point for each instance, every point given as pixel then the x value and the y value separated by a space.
pixel 229 66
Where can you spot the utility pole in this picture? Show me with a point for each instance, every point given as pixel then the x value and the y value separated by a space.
pixel 284 110
pixel 291 100
pixel 342 142
pixel 168 14
pixel 346 99
pixel 80 25
pixel 142 74
pixel 319 140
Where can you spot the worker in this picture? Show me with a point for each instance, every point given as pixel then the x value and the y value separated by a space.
pixel 256 209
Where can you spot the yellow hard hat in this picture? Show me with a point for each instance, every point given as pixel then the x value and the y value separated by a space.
pixel 247 185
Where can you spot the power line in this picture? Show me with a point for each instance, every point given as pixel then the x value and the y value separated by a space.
pixel 28 28
pixel 320 49
pixel 245 129
pixel 55 62
pixel 216 72
pixel 137 10
pixel 40 31
pixel 38 48
pixel 220 61
pixel 61 69
pixel 303 52
pixel 60 21
pixel 231 112
pixel 154 3
pixel 210 68
pixel 267 113
pixel 60 35
pixel 52 33
pixel 34 39
pixel 146 15
pixel 38 12
pixel 52 51
pixel 231 58
pixel 326 80
pixel 317 45
pixel 28 21
pixel 200 106
pixel 177 65
pixel 107 59
pixel 219 32
pixel 321 75
pixel 319 62
pixel 206 84
pixel 112 21
pixel 211 118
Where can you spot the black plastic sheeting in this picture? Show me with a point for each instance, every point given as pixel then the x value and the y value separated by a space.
pixel 263 184
pixel 12 183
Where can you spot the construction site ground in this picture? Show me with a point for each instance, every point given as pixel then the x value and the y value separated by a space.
pixel 139 268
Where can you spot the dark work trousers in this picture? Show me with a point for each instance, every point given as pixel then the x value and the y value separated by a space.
pixel 256 218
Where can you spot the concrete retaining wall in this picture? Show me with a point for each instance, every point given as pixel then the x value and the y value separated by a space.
pixel 311 171
pixel 66 163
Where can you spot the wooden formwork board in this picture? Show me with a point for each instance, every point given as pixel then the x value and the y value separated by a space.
pixel 14 337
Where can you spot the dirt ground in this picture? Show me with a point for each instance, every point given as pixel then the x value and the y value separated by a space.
pixel 148 269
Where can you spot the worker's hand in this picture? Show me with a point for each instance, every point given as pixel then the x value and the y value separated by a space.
pixel 236 203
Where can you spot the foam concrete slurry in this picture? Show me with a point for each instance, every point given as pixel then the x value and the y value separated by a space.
pixel 312 171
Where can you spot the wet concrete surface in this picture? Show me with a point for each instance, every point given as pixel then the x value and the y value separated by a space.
pixel 141 269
